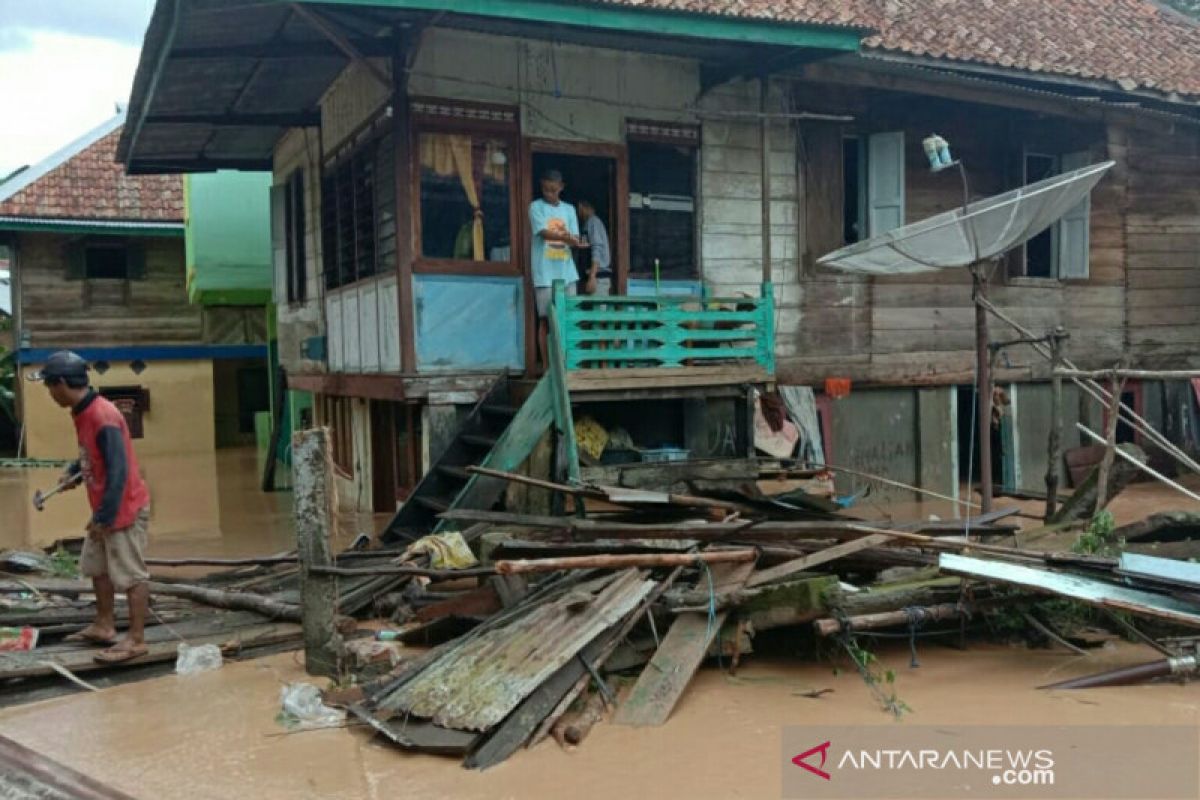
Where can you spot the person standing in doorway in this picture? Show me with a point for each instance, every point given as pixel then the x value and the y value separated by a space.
pixel 116 533
pixel 555 230
pixel 599 278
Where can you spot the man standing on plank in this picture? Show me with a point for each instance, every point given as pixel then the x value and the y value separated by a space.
pixel 116 533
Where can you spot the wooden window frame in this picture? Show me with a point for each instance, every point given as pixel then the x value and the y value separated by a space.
pixel 372 135
pixel 295 243
pixel 674 135
pixel 502 122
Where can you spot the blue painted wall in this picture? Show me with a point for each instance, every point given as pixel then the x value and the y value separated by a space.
pixel 468 323
pixel 640 287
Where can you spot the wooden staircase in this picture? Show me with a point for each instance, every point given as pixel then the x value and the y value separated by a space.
pixel 497 434
pixel 448 476
pixel 500 433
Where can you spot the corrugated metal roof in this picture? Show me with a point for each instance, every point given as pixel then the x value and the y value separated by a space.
pixel 475 686
pixel 116 225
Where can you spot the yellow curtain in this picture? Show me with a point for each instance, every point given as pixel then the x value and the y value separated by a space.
pixel 449 154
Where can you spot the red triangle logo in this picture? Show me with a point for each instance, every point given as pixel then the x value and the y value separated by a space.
pixel 823 749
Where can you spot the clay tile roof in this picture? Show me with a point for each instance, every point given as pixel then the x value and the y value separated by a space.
pixel 88 183
pixel 1130 44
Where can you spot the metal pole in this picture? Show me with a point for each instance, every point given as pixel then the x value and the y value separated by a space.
pixel 984 390
pixel 1054 456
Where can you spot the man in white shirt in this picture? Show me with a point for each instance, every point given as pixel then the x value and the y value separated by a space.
pixel 555 230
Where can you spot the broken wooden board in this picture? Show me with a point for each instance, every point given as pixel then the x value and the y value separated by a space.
pixel 228 631
pixel 782 605
pixel 515 730
pixel 811 560
pixel 1169 526
pixel 413 733
pixel 669 672
pixel 1087 590
pixel 1082 502
pixel 25 773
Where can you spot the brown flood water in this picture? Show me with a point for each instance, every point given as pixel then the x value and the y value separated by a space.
pixel 202 504
pixel 214 735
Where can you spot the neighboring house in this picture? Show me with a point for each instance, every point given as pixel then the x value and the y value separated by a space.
pixel 405 137
pixel 228 256
pixel 98 267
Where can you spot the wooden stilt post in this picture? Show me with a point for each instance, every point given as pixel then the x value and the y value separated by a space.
pixel 984 390
pixel 1054 446
pixel 313 505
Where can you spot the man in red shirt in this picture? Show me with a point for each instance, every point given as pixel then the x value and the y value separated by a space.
pixel 116 533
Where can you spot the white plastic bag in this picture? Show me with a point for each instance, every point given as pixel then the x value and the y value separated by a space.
pixel 302 708
pixel 193 660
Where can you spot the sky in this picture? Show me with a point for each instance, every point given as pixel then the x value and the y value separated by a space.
pixel 64 65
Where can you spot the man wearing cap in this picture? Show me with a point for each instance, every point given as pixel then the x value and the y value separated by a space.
pixel 116 533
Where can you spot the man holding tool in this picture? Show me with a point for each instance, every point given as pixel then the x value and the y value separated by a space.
pixel 116 533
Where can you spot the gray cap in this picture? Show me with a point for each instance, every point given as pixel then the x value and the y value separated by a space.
pixel 63 365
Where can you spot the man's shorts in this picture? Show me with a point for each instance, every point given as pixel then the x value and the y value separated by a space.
pixel 544 295
pixel 118 554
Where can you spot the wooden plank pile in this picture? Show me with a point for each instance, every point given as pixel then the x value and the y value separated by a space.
pixel 562 609
pixel 249 608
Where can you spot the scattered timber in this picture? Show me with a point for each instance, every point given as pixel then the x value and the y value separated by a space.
pixel 623 562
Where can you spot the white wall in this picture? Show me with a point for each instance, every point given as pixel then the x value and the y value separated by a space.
pixel 297 322
pixel 363 321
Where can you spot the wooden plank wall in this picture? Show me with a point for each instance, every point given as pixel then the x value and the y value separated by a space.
pixel 1162 237
pixel 920 329
pixel 73 313
pixel 731 203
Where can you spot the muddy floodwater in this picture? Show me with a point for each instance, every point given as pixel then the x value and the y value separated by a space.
pixel 202 504
pixel 215 736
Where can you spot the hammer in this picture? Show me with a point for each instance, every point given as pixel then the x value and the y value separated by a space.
pixel 39 499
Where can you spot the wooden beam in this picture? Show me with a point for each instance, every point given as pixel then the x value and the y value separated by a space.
pixel 816 559
pixel 670 670
pixel 624 561
pixel 274 50
pixel 149 165
pixel 1129 374
pixel 343 42
pixel 290 119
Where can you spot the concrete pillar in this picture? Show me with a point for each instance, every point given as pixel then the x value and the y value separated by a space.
pixel 314 521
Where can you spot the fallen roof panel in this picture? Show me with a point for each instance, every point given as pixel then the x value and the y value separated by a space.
pixel 1087 590
pixel 475 686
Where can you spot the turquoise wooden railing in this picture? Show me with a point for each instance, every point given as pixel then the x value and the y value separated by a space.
pixel 608 332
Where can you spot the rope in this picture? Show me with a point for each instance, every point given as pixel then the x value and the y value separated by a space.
pixel 711 628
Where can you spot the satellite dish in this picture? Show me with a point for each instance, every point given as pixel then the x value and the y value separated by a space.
pixel 983 230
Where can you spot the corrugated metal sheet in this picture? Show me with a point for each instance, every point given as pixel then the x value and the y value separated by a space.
pixel 1160 570
pixel 1088 590
pixel 115 225
pixel 475 686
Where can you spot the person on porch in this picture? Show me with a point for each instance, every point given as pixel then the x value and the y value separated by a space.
pixel 554 228
pixel 116 532
pixel 599 278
